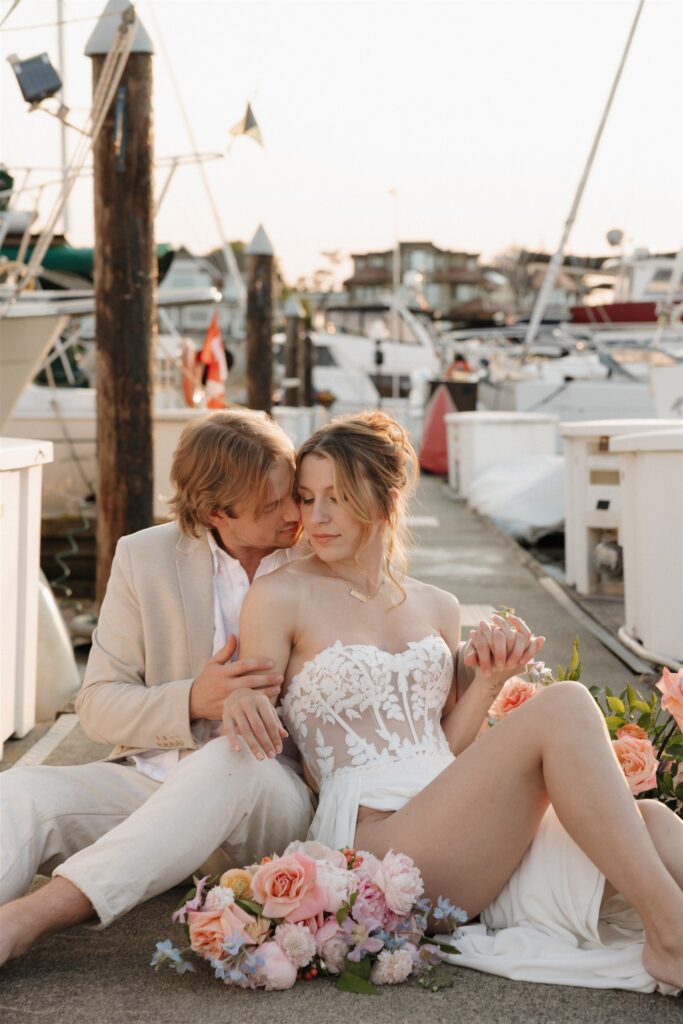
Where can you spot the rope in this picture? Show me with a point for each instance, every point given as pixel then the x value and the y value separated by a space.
pixel 112 71
pixel 62 21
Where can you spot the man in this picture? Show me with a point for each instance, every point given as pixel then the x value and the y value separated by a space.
pixel 159 672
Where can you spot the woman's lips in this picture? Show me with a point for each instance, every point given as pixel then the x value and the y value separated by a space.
pixel 324 538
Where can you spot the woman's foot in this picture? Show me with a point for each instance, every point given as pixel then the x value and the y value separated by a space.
pixel 15 931
pixel 664 962
pixel 55 906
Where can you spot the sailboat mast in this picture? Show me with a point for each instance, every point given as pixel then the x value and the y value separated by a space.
pixel 556 261
pixel 62 124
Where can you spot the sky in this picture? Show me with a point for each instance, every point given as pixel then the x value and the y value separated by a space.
pixel 479 114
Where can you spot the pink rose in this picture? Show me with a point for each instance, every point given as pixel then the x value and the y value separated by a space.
pixel 288 887
pixel 678 777
pixel 513 693
pixel 637 759
pixel 208 928
pixel 671 687
pixel 400 881
pixel 276 972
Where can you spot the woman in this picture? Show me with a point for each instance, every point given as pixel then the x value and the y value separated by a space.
pixel 367 654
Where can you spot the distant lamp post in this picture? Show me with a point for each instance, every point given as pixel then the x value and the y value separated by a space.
pixel 378 332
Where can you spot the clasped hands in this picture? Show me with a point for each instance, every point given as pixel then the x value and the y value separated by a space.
pixel 501 647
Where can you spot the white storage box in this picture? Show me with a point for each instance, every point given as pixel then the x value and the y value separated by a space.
pixel 477 440
pixel 592 491
pixel 21 467
pixel 651 467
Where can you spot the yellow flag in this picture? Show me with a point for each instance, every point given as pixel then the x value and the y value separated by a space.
pixel 248 125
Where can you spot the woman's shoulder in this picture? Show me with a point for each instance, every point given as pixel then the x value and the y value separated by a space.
pixel 291 574
pixel 439 599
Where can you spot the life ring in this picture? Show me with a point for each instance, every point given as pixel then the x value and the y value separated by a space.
pixel 188 366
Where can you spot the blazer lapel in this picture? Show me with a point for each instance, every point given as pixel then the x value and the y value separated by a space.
pixel 195 577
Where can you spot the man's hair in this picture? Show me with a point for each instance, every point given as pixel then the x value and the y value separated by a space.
pixel 222 464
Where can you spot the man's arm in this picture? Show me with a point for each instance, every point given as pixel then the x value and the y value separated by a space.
pixel 114 704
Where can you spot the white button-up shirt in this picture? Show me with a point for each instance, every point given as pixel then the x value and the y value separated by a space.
pixel 230 586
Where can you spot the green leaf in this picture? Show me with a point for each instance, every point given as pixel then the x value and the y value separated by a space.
pixel 632 695
pixel 347 982
pixel 614 722
pixel 595 691
pixel 251 906
pixel 342 914
pixel 352 898
pixel 675 749
pixel 361 969
pixel 615 704
pixel 443 946
pixel 679 791
pixel 640 705
pixel 645 721
pixel 665 783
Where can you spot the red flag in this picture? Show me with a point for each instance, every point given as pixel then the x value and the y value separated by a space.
pixel 213 357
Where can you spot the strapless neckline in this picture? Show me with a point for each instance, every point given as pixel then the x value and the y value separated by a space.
pixel 339 645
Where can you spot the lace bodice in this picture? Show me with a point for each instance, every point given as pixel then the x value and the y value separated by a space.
pixel 357 706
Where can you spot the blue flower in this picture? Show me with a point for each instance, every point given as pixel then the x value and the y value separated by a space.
pixel 165 951
pixel 448 913
pixel 232 944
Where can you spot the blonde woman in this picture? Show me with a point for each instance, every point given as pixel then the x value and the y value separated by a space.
pixel 533 825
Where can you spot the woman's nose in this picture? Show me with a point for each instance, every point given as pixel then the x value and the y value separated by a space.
pixel 320 514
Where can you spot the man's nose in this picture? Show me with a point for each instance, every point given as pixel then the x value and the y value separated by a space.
pixel 291 513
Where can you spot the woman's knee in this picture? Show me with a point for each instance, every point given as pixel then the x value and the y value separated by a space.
pixel 567 696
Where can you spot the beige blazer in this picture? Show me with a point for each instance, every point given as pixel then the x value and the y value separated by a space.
pixel 154 636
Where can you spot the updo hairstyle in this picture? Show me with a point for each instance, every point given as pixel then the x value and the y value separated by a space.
pixel 375 473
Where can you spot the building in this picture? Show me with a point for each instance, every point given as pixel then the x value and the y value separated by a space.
pixel 452 285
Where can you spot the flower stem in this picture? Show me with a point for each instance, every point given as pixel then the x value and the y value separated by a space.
pixel 667 736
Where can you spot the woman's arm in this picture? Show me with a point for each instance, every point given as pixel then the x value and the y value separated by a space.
pixel 266 623
pixel 464 712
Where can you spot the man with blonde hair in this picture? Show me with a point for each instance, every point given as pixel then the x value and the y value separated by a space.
pixel 162 663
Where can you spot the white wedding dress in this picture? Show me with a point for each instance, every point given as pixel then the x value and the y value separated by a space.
pixel 368 725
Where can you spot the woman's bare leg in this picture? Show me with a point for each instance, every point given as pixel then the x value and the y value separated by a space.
pixel 469 829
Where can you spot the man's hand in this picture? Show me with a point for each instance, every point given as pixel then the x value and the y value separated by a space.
pixel 250 714
pixel 220 677
pixel 501 647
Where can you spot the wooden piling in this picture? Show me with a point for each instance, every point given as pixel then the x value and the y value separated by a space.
pixel 125 292
pixel 294 314
pixel 306 361
pixel 259 260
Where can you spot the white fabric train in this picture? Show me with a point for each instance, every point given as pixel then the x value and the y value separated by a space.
pixel 368 725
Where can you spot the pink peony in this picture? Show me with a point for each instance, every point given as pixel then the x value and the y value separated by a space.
pixel 514 692
pixel 671 687
pixel 296 942
pixel 288 887
pixel 208 928
pixel 370 908
pixel 400 881
pixel 276 972
pixel 637 759
pixel 333 945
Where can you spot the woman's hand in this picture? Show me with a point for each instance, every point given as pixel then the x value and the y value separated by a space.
pixel 501 647
pixel 249 713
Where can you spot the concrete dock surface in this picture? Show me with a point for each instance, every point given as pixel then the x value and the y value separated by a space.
pixel 92 976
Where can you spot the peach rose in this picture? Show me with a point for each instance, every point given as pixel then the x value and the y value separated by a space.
pixel 208 928
pixel 514 692
pixel 671 687
pixel 637 759
pixel 287 887
pixel 631 729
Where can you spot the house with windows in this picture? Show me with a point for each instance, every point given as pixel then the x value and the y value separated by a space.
pixel 452 285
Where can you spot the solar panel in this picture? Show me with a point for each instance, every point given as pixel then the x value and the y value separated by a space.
pixel 37 78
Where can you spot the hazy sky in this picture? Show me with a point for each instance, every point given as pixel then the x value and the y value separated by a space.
pixel 480 113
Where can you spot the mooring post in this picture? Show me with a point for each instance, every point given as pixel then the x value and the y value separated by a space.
pixel 125 290
pixel 259 258
pixel 294 315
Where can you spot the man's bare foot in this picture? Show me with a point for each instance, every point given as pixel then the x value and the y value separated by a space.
pixel 664 962
pixel 55 906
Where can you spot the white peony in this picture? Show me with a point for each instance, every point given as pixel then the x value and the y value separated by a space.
pixel 296 942
pixel 339 883
pixel 219 898
pixel 391 968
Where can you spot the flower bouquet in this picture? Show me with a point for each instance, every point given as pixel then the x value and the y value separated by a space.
pixel 313 911
pixel 646 734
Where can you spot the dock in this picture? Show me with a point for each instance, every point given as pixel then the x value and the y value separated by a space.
pixel 92 976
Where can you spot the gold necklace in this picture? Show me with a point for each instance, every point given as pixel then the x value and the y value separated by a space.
pixel 361 596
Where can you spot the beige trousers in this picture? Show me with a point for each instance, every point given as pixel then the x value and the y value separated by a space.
pixel 122 838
